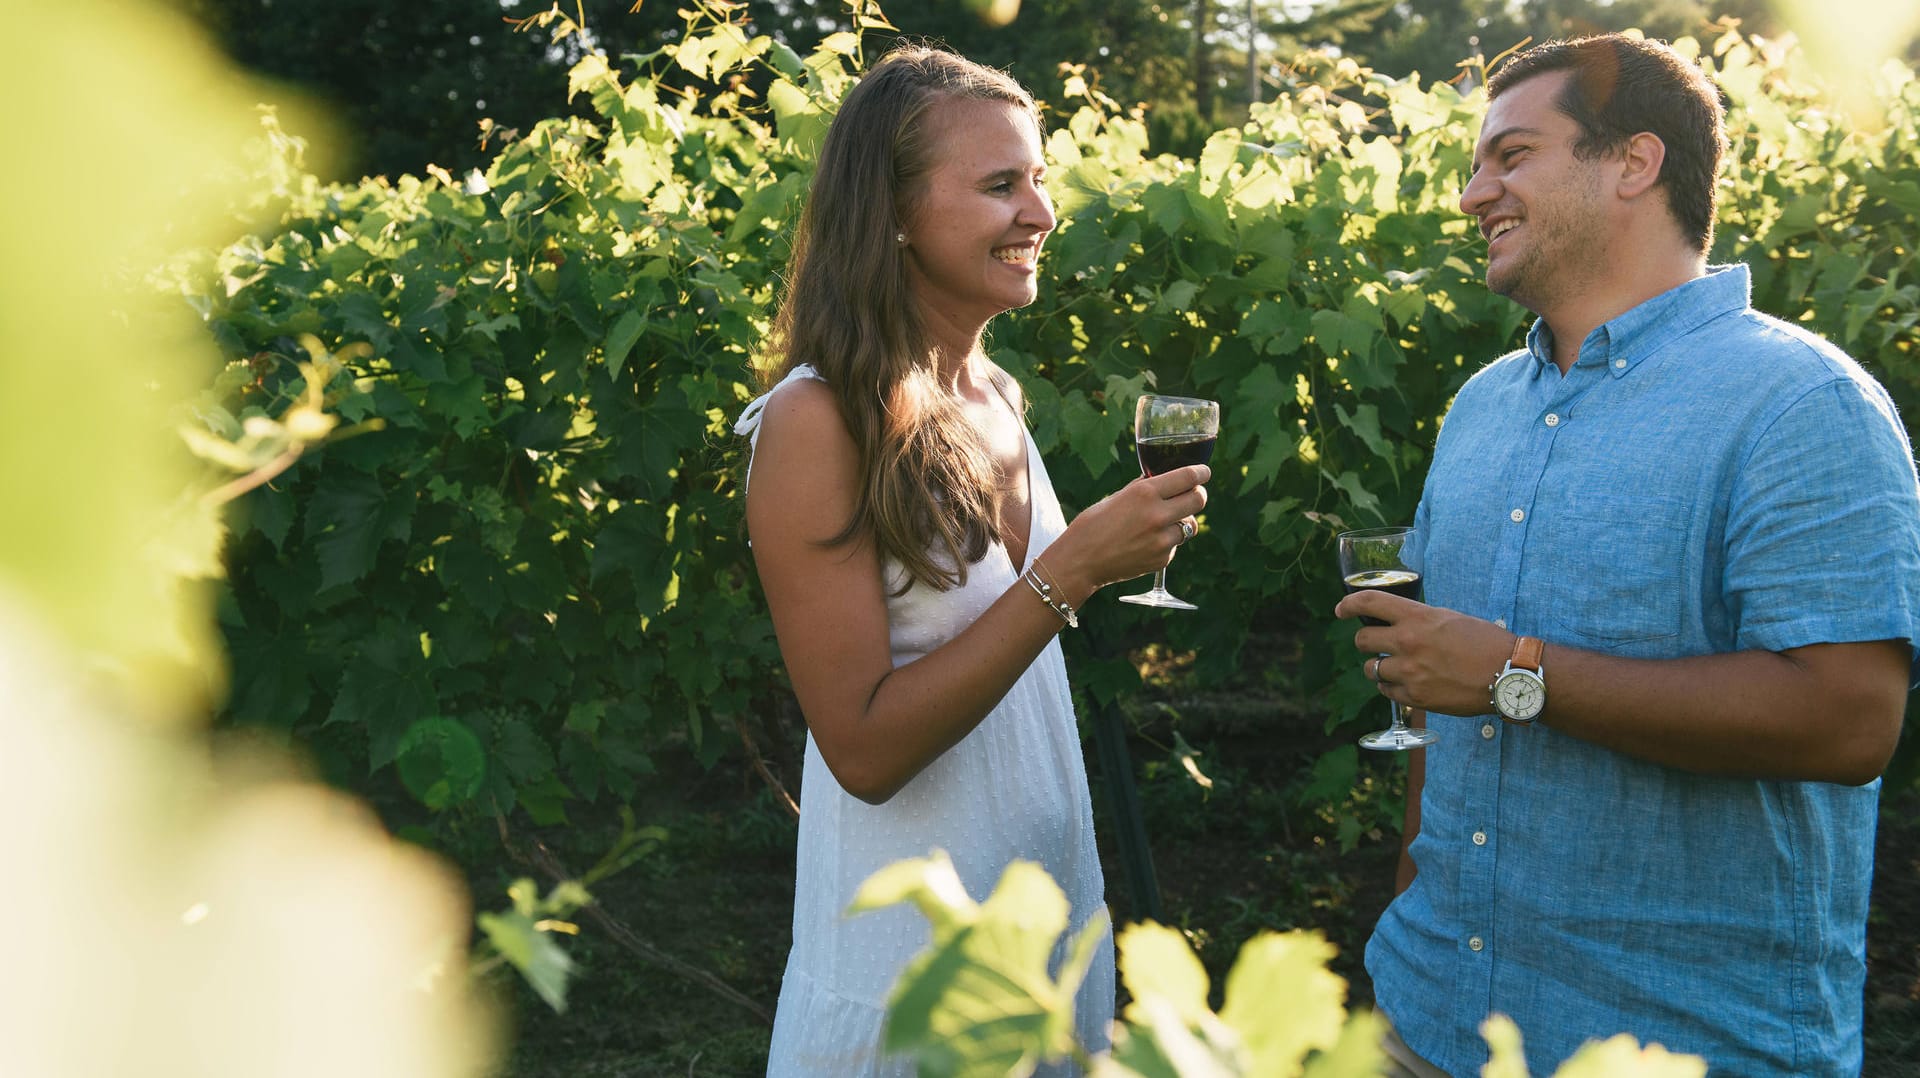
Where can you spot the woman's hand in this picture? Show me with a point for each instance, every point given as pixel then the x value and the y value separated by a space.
pixel 1129 533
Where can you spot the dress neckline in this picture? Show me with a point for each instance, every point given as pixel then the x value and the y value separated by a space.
pixel 1026 447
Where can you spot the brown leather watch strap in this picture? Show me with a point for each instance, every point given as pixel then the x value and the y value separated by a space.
pixel 1527 652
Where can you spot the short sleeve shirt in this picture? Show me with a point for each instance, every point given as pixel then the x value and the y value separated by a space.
pixel 1704 479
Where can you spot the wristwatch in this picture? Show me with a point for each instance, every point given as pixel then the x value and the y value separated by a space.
pixel 1520 691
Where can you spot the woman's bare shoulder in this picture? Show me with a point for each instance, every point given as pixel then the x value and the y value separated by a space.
pixel 804 411
pixel 805 470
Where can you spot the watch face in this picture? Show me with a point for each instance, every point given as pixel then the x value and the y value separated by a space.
pixel 1519 694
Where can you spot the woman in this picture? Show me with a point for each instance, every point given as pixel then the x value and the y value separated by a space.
pixel 898 515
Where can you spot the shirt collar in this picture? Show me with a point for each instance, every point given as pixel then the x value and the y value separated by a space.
pixel 1623 342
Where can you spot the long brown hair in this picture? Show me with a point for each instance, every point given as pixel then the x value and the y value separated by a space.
pixel 927 483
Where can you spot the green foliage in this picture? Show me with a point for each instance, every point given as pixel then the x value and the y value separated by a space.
pixel 979 1001
pixel 993 956
pixel 534 532
pixel 540 541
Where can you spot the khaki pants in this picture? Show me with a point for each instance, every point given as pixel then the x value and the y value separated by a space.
pixel 1402 1062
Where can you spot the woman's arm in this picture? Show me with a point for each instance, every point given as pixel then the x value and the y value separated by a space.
pixel 876 726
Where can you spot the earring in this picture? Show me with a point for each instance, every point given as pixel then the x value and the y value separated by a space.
pixel 900 238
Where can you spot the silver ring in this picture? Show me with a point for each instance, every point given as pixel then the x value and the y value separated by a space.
pixel 1187 530
pixel 1373 675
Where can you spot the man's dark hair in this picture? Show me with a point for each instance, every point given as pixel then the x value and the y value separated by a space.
pixel 1621 86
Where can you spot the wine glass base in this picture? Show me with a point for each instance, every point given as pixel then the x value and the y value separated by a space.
pixel 1398 739
pixel 1165 600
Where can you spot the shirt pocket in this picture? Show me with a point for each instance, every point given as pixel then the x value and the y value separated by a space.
pixel 1622 577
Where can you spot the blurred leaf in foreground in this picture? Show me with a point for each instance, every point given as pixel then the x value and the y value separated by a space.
pixel 167 915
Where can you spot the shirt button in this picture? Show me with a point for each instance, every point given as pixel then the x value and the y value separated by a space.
pixel 1502 622
pixel 1476 943
pixel 1619 364
pixel 1479 838
pixel 1487 731
pixel 1518 515
pixel 1552 420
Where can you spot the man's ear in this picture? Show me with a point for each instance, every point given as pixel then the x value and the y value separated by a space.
pixel 1640 164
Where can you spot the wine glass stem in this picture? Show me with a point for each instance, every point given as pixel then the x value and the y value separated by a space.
pixel 1160 579
pixel 1393 708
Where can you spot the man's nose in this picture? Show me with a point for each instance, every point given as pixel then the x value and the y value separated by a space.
pixel 1479 192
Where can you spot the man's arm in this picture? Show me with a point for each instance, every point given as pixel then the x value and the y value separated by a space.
pixel 1822 713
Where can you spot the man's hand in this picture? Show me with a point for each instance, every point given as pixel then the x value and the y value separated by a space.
pixel 1436 659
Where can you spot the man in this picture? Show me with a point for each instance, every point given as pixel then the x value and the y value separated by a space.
pixel 1675 544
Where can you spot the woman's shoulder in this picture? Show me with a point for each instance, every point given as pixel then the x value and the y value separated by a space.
pixel 800 424
pixel 804 404
pixel 800 392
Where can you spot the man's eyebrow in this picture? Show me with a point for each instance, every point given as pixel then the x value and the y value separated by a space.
pixel 1493 142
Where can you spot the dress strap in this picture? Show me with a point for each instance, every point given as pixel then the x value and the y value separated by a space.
pixel 748 425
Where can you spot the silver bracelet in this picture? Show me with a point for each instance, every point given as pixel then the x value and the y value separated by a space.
pixel 1059 606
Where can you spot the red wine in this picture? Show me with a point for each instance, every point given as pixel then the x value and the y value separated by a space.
pixel 1402 582
pixel 1165 452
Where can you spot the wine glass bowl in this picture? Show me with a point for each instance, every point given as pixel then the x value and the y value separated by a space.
pixel 1168 433
pixel 1370 560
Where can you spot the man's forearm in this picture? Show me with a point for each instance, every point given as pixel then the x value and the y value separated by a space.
pixel 1827 712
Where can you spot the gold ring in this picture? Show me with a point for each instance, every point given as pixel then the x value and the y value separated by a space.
pixel 1187 530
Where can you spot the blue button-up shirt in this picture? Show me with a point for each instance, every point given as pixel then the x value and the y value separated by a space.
pixel 1704 479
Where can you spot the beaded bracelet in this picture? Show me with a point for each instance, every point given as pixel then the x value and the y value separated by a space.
pixel 1044 590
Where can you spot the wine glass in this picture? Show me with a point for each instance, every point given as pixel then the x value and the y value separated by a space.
pixel 1169 433
pixel 1370 559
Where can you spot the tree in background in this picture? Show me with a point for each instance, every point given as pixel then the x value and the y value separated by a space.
pixel 1432 36
pixel 412 82
pixel 1136 47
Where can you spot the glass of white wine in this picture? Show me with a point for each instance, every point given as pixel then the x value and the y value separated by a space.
pixel 1370 561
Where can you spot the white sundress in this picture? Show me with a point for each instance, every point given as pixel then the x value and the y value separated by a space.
pixel 1014 788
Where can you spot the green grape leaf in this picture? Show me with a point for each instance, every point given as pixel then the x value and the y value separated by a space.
pixel 1357 1051
pixel 1162 1041
pixel 383 694
pixel 1364 422
pixel 522 752
pixel 1090 434
pixel 270 512
pixel 533 952
pixel 620 339
pixel 1621 1054
pixel 1285 974
pixel 979 1003
pixel 461 404
pixel 273 685
pixel 1157 964
pixel 347 521
pixel 1508 1059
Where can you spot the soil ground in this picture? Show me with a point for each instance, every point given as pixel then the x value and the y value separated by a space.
pixel 1267 847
